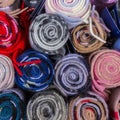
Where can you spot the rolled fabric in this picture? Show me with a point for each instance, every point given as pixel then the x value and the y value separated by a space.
pixel 36 76
pixel 48 33
pixel 47 105
pixel 9 5
pixel 11 38
pixel 71 75
pixel 12 105
pixel 73 11
pixel 6 73
pixel 82 39
pixel 114 104
pixel 89 107
pixel 32 3
pixel 105 71
pixel 100 4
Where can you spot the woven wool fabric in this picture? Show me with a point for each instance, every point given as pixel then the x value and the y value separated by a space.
pixel 38 74
pixel 12 105
pixel 105 71
pixel 71 75
pixel 9 5
pixel 11 38
pixel 89 107
pixel 82 39
pixel 114 104
pixel 47 105
pixel 6 73
pixel 74 11
pixel 48 33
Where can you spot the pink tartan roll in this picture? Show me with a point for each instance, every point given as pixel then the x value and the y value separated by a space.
pixel 105 71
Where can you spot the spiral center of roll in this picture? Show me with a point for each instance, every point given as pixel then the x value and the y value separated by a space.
pixel 73 76
pixel 5 112
pixel 32 71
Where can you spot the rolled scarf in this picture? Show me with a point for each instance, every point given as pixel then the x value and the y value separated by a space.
pixel 12 105
pixel 32 3
pixel 47 105
pixel 73 11
pixel 83 40
pixel 6 73
pixel 12 7
pixel 48 33
pixel 114 104
pixel 89 107
pixel 71 75
pixel 37 71
pixel 100 4
pixel 105 71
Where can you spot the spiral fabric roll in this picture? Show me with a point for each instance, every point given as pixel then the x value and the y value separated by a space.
pixel 114 104
pixel 83 41
pixel 105 71
pixel 48 33
pixel 6 73
pixel 71 75
pixel 90 107
pixel 12 105
pixel 74 11
pixel 38 74
pixel 47 105
pixel 100 4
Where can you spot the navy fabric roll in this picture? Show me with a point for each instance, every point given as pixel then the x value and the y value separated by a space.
pixel 47 105
pixel 48 33
pixel 35 76
pixel 32 3
pixel 12 105
pixel 71 75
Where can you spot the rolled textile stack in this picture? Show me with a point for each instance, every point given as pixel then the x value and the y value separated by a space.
pixel 37 71
pixel 90 107
pixel 12 106
pixel 84 41
pixel 105 71
pixel 72 75
pixel 48 33
pixel 7 76
pixel 73 11
pixel 114 104
pixel 47 105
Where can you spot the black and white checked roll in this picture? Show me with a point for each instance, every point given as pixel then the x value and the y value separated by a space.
pixel 71 75
pixel 48 33
pixel 47 105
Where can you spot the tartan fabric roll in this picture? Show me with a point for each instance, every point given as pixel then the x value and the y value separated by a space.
pixel 82 39
pixel 6 73
pixel 48 33
pixel 90 107
pixel 114 104
pixel 71 75
pixel 12 105
pixel 105 71
pixel 47 105
pixel 74 11
pixel 37 71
